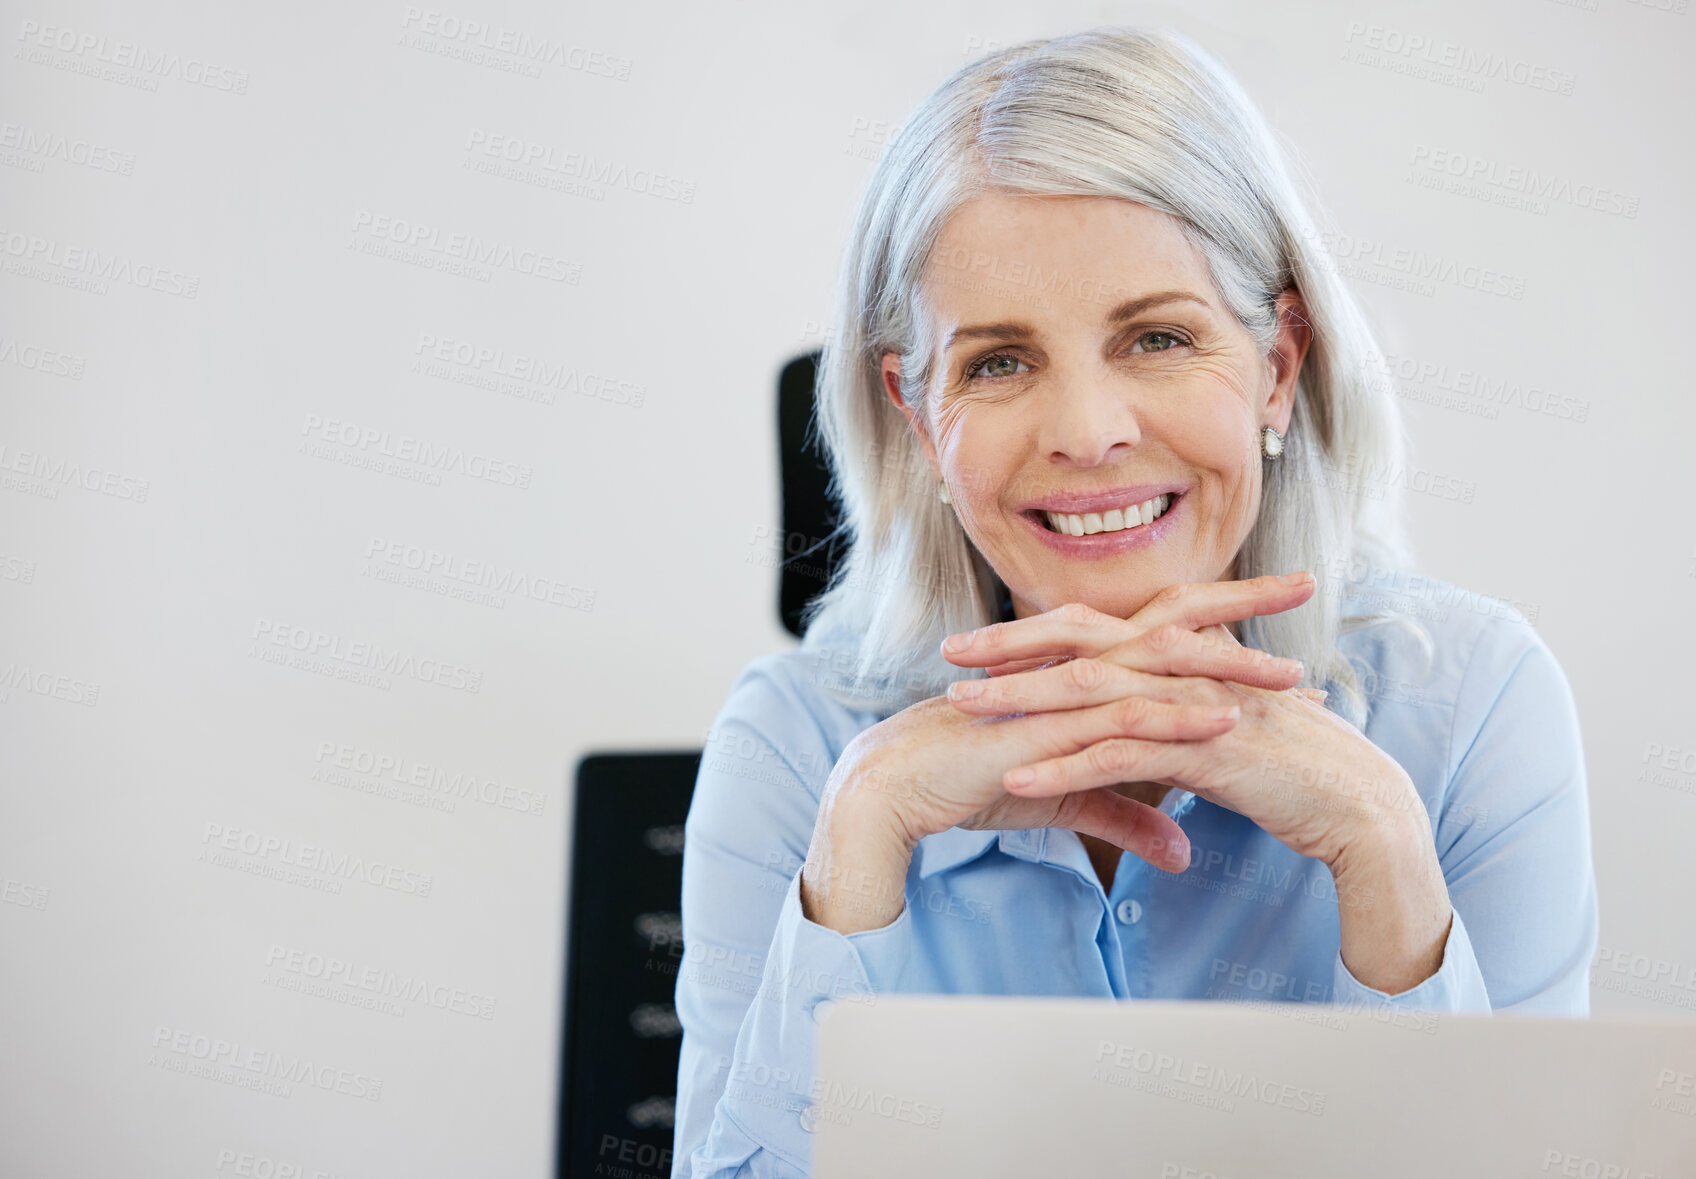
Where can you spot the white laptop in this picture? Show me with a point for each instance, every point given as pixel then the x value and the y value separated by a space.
pixel 942 1086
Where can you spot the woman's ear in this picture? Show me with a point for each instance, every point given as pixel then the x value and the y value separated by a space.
pixel 1289 349
pixel 890 370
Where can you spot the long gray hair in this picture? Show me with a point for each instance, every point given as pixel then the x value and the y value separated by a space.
pixel 1146 116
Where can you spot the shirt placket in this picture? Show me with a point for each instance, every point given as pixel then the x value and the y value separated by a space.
pixel 1061 850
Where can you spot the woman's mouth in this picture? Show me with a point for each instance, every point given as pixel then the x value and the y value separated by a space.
pixel 1093 535
pixel 1117 520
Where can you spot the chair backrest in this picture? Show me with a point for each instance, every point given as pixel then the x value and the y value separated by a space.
pixel 618 1072
pixel 809 513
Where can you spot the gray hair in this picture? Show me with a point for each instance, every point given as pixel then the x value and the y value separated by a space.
pixel 1147 116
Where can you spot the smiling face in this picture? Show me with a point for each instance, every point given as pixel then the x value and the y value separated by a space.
pixel 1086 364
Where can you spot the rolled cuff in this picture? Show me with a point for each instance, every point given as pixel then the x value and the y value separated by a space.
pixel 1456 988
pixel 770 1090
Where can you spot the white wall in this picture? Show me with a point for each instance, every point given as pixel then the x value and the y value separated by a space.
pixel 246 308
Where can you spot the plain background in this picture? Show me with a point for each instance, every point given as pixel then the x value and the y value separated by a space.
pixel 260 336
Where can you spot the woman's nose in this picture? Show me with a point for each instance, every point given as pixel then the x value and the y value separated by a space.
pixel 1087 421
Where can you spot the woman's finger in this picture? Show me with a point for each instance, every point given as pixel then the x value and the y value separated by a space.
pixel 1173 651
pixel 1076 683
pixel 1140 829
pixel 1167 665
pixel 1072 629
pixel 1027 665
pixel 1212 651
pixel 1194 605
pixel 1117 759
pixel 1077 629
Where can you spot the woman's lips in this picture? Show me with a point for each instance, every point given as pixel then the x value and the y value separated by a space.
pixel 1106 544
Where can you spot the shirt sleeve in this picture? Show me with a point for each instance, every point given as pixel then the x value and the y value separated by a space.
pixel 1513 839
pixel 757 974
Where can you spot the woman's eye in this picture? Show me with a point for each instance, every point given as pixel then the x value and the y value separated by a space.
pixel 1001 365
pixel 996 364
pixel 1158 341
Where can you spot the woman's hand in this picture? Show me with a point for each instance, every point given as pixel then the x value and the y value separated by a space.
pixel 1076 630
pixel 1300 773
pixel 932 766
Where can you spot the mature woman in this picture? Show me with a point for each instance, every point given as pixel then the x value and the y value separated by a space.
pixel 1108 433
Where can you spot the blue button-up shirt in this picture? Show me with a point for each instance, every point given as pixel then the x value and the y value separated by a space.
pixel 1484 723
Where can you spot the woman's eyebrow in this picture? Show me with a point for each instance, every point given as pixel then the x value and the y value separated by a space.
pixel 1129 309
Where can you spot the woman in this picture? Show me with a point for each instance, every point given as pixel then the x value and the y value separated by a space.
pixel 1102 418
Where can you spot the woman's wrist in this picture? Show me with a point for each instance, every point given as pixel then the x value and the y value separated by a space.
pixel 1394 908
pixel 855 876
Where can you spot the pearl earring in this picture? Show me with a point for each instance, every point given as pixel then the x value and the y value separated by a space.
pixel 942 492
pixel 1271 443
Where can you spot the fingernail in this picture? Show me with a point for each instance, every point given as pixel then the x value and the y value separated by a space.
pixel 1292 666
pixel 954 643
pixel 1231 713
pixel 1021 777
pixel 965 689
pixel 1301 578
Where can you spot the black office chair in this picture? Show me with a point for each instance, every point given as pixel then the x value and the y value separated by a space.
pixel 811 548
pixel 618 1067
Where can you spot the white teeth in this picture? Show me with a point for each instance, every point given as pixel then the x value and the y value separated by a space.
pixel 1131 516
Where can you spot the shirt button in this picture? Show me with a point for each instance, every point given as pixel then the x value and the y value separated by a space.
pixel 809 1120
pixel 1130 912
pixel 823 1005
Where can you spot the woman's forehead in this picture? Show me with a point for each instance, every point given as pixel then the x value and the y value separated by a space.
pixel 1005 258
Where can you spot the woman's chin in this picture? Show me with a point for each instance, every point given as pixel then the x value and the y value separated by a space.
pixel 1117 601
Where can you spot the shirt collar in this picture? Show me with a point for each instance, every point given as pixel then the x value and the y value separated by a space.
pixel 958 845
pixel 953 847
